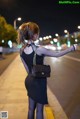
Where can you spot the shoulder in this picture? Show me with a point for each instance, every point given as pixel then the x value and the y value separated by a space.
pixel 40 50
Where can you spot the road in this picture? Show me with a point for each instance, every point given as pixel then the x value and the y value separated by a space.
pixel 65 82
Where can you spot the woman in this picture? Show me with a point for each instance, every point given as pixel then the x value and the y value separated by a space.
pixel 37 88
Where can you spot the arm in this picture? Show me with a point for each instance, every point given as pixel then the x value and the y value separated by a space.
pixel 51 53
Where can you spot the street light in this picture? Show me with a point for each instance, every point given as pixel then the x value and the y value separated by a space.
pixel 78 27
pixel 58 36
pixel 68 40
pixel 67 32
pixel 19 19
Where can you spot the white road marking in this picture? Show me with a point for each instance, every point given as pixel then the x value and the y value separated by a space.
pixel 72 58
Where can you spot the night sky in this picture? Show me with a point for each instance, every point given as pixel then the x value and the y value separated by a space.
pixel 51 16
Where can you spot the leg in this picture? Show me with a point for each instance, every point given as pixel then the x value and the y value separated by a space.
pixel 31 110
pixel 39 111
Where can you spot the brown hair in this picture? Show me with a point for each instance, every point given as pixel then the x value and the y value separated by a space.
pixel 27 31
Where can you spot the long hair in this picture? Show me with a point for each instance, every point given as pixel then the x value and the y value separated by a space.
pixel 26 31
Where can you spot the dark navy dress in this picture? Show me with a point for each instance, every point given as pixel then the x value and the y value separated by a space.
pixel 36 88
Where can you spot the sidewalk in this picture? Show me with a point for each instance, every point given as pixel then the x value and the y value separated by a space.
pixel 13 95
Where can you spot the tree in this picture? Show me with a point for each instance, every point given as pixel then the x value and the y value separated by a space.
pixel 10 33
pixel 7 32
pixel 2 27
pixel 78 38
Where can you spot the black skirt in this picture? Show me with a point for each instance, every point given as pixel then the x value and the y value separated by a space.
pixel 37 89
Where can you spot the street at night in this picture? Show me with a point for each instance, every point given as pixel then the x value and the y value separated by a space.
pixel 48 28
pixel 65 82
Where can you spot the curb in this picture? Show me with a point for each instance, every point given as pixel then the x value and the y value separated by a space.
pixel 49 113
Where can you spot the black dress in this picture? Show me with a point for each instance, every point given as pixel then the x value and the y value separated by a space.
pixel 36 88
